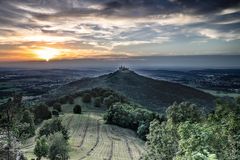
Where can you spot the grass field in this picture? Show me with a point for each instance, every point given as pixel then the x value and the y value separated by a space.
pixel 92 139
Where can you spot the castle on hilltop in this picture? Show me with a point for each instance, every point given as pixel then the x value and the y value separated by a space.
pixel 123 68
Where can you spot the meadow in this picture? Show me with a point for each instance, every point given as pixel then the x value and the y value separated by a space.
pixel 91 138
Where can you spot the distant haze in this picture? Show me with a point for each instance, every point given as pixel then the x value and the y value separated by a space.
pixel 168 62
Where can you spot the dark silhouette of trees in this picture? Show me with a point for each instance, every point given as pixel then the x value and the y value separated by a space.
pixel 77 109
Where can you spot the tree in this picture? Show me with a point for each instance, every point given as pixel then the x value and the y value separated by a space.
pixel 55 113
pixel 57 106
pixel 130 116
pixel 58 148
pixel 86 98
pixel 163 138
pixel 143 130
pixel 9 122
pixel 77 109
pixel 97 102
pixel 41 113
pixel 182 112
pixel 110 100
pixel 28 118
pixel 41 148
pixel 52 126
pixel 197 141
pixel 161 141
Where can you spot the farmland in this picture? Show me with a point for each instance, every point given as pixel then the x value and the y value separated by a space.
pixel 91 138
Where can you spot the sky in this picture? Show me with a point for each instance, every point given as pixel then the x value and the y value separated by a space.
pixel 33 30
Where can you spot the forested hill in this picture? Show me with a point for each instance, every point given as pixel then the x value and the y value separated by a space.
pixel 153 94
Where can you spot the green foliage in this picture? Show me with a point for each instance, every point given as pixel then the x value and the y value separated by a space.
pixel 26 126
pixel 41 113
pixel 86 98
pixel 57 106
pixel 63 100
pixel 182 112
pixel 55 113
pixel 97 102
pixel 77 109
pixel 41 148
pixel 58 148
pixel 142 130
pixel 108 101
pixel 197 141
pixel 52 126
pixel 162 141
pixel 189 135
pixel 129 116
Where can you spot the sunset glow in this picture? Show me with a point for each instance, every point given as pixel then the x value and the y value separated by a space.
pixel 47 53
pixel 113 29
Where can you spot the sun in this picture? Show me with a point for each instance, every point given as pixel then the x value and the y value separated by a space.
pixel 47 53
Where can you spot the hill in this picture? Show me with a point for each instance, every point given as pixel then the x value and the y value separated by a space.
pixel 153 94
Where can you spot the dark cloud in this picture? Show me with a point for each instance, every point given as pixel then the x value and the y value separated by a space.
pixel 108 23
pixel 172 6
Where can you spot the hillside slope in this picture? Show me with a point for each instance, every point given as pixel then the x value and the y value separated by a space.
pixel 153 94
pixel 91 139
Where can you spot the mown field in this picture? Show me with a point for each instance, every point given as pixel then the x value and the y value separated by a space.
pixel 92 139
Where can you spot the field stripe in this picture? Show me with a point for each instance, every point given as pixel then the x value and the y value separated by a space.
pixel 85 131
pixel 112 145
pixel 96 143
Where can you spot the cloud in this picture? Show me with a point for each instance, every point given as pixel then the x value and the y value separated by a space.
pixel 214 34
pixel 104 26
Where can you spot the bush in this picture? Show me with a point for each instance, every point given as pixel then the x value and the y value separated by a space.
pixel 57 106
pixel 58 148
pixel 41 148
pixel 63 100
pixel 52 126
pixel 128 116
pixel 86 98
pixel 182 112
pixel 97 102
pixel 28 118
pixel 55 113
pixel 143 130
pixel 41 113
pixel 77 109
pixel 110 100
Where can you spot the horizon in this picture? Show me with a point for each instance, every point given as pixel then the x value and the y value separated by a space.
pixel 153 62
pixel 54 30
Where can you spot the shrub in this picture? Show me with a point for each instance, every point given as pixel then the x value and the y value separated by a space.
pixel 63 100
pixel 28 118
pixel 108 101
pixel 57 106
pixel 41 148
pixel 128 116
pixel 86 98
pixel 52 126
pixel 77 109
pixel 41 113
pixel 97 102
pixel 182 112
pixel 58 148
pixel 143 130
pixel 55 113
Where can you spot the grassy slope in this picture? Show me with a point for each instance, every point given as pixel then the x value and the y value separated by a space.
pixel 91 139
